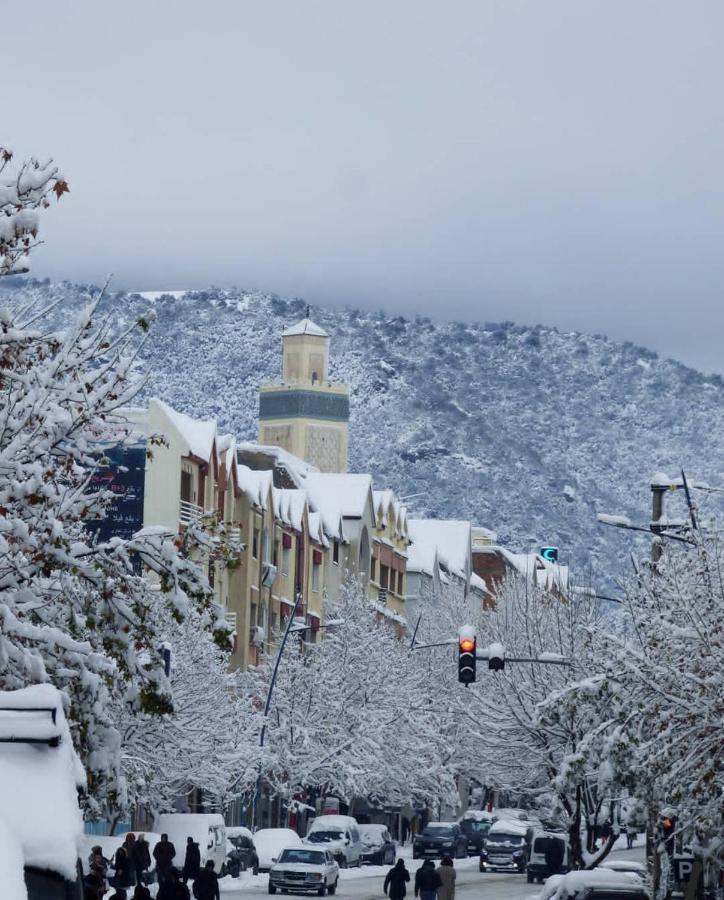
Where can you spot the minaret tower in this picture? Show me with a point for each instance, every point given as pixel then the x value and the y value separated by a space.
pixel 305 413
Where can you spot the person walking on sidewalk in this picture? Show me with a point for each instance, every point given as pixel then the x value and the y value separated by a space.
pixel 395 881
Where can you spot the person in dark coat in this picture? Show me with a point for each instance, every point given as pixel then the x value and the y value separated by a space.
pixel 120 894
pixel 206 886
pixel 172 888
pixel 141 892
pixel 192 861
pixel 141 858
pixel 164 853
pixel 395 881
pixel 123 867
pixel 427 881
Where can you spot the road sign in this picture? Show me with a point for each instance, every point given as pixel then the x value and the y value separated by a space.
pixel 550 554
pixel 683 867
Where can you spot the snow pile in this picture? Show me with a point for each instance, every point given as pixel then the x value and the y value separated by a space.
pixel 38 783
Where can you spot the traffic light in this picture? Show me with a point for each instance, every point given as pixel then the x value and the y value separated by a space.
pixel 466 655
pixel 496 657
pixel 668 827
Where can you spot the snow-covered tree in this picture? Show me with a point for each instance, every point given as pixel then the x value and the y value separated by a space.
pixel 209 741
pixel 657 698
pixel 511 741
pixel 349 715
pixel 75 611
pixel 21 197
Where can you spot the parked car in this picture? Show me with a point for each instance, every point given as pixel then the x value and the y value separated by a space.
pixel 240 851
pixel 304 870
pixel 629 866
pixel 440 839
pixel 506 847
pixel 378 848
pixel 475 828
pixel 594 884
pixel 548 855
pixel 269 843
pixel 340 835
pixel 207 829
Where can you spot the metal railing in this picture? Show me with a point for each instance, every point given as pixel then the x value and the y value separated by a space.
pixel 189 512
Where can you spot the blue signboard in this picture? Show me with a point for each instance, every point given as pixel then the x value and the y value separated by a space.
pixel 123 474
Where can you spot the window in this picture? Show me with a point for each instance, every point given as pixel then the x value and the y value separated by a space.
pixel 401 583
pixel 315 576
pixel 373 569
pixel 335 553
pixel 275 558
pixel 212 574
pixel 186 486
pixel 265 546
pixel 255 544
pixel 285 561
pixel 384 577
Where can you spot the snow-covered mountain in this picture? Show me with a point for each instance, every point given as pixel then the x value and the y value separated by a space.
pixel 526 430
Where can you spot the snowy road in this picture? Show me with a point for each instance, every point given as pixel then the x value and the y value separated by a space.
pixel 366 883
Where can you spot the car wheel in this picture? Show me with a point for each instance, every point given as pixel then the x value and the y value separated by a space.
pixel 322 891
pixel 530 878
pixel 255 870
pixel 272 889
pixel 333 887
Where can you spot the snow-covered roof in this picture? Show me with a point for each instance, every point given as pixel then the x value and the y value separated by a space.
pixel 386 501
pixel 341 492
pixel 198 435
pixel 38 783
pixel 450 538
pixel 305 326
pixel 289 506
pixel 477 583
pixel 296 467
pixel 256 485
pixel 316 529
pixel 540 571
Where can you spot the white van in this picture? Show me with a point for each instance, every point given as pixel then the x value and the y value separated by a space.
pixel 340 835
pixel 549 855
pixel 207 829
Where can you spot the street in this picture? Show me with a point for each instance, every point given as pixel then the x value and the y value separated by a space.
pixel 366 883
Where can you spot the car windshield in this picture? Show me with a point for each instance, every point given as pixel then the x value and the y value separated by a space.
pixel 471 825
pixel 502 838
pixel 312 857
pixel 371 836
pixel 323 837
pixel 438 831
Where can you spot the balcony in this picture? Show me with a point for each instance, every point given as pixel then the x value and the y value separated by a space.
pixel 189 513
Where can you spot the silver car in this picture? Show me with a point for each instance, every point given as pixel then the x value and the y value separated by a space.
pixel 304 870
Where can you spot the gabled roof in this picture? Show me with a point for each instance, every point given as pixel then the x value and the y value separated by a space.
pixel 449 538
pixel 305 326
pixel 199 436
pixel 335 494
pixel 385 501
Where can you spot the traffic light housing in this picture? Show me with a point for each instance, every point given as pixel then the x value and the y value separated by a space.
pixel 668 829
pixel 467 645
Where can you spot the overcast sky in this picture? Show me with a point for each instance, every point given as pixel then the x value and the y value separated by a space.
pixel 534 160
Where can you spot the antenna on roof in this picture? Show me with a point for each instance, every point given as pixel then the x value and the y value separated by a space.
pixel 307 316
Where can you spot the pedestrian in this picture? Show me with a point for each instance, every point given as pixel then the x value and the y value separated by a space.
pixel 427 881
pixel 129 845
pixel 630 836
pixel 164 853
pixel 98 866
pixel 141 892
pixel 206 886
pixel 172 888
pixel 93 887
pixel 141 858
pixel 120 894
pixel 395 881
pixel 192 861
pixel 405 829
pixel 447 874
pixel 123 868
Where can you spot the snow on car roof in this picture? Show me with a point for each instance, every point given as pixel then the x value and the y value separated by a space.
pixel 334 821
pixel 38 783
pixel 574 884
pixel 509 826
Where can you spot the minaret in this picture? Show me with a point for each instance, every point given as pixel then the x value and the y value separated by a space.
pixel 306 414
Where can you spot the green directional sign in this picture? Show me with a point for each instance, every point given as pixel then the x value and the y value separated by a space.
pixel 550 554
